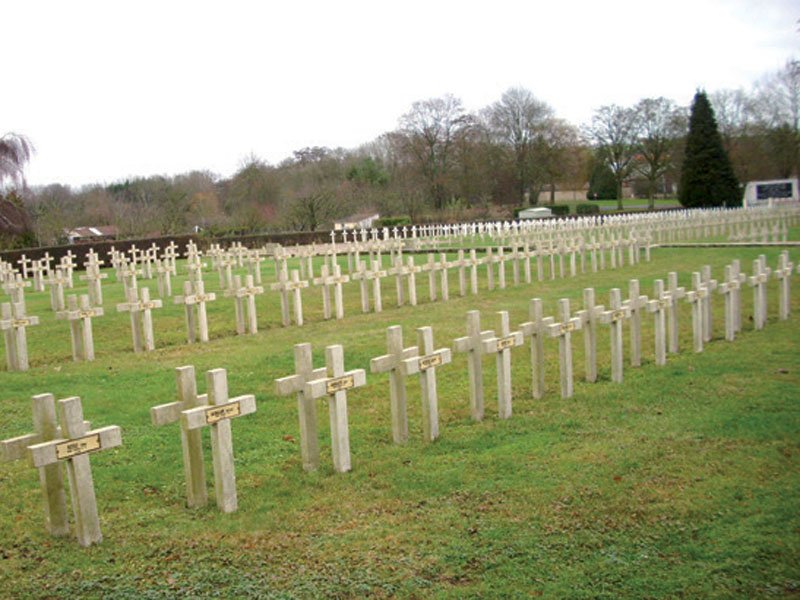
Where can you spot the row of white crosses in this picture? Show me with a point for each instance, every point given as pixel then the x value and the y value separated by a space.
pixel 194 301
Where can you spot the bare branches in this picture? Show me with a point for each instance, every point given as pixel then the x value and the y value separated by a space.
pixel 15 152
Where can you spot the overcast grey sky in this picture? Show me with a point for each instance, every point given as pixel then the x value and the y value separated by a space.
pixel 107 90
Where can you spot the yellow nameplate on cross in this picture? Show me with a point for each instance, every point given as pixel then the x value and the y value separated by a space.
pixel 567 327
pixel 617 315
pixel 428 362
pixel 504 343
pixel 20 322
pixel 78 446
pixel 339 384
pixel 215 414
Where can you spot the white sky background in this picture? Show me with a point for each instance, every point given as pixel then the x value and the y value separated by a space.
pixel 108 90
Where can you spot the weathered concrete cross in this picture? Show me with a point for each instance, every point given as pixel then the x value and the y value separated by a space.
pixel 73 447
pixel 391 363
pixel 218 414
pixel 472 344
pixel 501 346
pixel 191 440
pixel 536 329
pixel 563 331
pixel 614 317
pixel 426 365
pixel 335 387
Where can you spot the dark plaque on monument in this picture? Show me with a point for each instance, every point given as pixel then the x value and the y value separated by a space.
pixel 765 191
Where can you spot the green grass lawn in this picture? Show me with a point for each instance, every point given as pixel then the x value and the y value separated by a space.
pixel 681 481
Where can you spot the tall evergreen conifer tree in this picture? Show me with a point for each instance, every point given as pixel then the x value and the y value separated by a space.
pixel 707 177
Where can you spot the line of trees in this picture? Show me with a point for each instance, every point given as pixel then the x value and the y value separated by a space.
pixel 444 162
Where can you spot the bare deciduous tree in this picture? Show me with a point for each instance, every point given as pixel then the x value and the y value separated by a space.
pixel 427 133
pixel 519 122
pixel 660 123
pixel 614 131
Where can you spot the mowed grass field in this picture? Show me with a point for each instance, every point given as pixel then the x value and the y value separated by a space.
pixel 682 481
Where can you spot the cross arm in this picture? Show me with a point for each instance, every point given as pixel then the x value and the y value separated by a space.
pixel 412 366
pixel 328 386
pixel 530 328
pixel 48 453
pixel 16 447
pixel 498 344
pixel 164 414
pixel 295 383
pixel 195 418
pixel 466 344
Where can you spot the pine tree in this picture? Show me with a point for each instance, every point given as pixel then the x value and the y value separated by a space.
pixel 707 177
pixel 602 185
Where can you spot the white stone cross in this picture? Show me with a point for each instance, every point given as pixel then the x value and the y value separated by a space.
pixel 194 300
pixel 563 331
pixel 140 308
pixel 375 275
pixel 73 447
pixel 360 275
pixel 334 386
pixel 472 344
pixel 675 294
pixel 13 323
pixel 24 261
pixel 191 440
pixel 589 315
pixel 660 305
pixel 306 405
pixel 710 285
pixel 728 288
pixel 411 272
pixel 399 270
pixel 426 365
pixel 94 278
pixel 697 297
pixel 80 326
pixel 614 317
pixel 327 281
pixel 431 267
pixel 245 303
pixel 501 346
pixel 758 281
pixel 783 274
pixel 15 288
pixel 51 480
pixel 537 329
pixel 57 283
pixel 391 363
pixel 164 278
pixel 637 304
pixel 218 414
pixel 293 285
pixel 474 262
pixel 444 280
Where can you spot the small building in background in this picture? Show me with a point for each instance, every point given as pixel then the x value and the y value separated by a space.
pixel 92 234
pixel 362 220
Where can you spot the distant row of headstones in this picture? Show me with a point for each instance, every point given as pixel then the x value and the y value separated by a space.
pixel 73 441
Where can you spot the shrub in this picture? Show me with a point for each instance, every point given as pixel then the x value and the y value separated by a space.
pixel 559 210
pixel 587 209
pixel 400 221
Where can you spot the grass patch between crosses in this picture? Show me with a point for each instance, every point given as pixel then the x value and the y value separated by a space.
pixel 681 481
